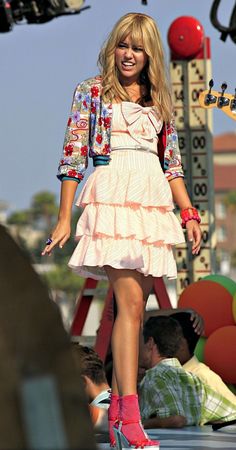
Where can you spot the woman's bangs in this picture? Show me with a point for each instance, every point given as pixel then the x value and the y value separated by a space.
pixel 136 34
pixel 134 30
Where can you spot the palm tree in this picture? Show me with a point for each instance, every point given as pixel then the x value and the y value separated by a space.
pixel 44 209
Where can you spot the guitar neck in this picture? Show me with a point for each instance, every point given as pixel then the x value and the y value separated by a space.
pixel 215 99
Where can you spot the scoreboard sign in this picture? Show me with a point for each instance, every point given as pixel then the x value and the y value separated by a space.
pixel 189 77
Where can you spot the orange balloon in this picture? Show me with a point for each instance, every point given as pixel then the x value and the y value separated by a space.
pixel 220 353
pixel 212 301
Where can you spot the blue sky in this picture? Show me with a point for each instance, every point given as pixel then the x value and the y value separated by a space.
pixel 40 67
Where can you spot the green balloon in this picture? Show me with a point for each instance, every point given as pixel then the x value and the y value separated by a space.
pixel 199 349
pixel 226 282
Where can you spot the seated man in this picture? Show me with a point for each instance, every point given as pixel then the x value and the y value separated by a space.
pixel 170 396
pixel 96 386
pixel 185 355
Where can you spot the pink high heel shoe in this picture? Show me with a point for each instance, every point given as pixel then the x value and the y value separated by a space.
pixel 129 434
pixel 113 417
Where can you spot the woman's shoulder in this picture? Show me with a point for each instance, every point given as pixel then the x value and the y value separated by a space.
pixel 90 83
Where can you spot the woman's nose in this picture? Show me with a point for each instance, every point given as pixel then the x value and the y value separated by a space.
pixel 128 52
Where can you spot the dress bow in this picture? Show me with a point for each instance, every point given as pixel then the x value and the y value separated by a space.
pixel 142 122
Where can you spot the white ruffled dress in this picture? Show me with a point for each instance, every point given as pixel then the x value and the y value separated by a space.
pixel 128 220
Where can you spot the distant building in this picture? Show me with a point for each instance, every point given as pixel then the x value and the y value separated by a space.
pixel 224 148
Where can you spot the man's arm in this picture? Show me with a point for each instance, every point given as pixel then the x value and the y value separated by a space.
pixel 197 320
pixel 165 422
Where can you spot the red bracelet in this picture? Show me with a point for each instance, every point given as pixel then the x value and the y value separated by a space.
pixel 187 214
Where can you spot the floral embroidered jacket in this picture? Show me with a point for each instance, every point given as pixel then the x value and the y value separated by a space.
pixel 89 130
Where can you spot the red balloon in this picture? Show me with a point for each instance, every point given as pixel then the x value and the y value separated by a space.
pixel 220 353
pixel 212 301
pixel 185 37
pixel 234 307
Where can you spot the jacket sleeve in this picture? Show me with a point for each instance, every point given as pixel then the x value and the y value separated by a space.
pixel 74 159
pixel 172 158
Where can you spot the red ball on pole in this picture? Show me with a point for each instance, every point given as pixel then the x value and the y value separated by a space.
pixel 186 37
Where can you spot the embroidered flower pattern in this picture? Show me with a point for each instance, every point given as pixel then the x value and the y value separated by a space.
pixel 93 108
pixel 69 149
pixel 99 139
pixel 84 150
pixel 72 173
pixel 94 91
pixel 107 122
pixel 106 149
pixel 172 158
pixel 75 116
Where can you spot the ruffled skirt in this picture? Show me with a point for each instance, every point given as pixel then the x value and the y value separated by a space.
pixel 127 220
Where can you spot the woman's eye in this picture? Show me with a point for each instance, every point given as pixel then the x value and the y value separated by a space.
pixel 135 49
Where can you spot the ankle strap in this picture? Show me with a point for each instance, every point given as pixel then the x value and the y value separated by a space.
pixel 115 418
pixel 128 422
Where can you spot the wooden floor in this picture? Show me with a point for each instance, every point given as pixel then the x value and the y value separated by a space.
pixel 196 438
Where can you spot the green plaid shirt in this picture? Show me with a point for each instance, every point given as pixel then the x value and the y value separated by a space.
pixel 167 389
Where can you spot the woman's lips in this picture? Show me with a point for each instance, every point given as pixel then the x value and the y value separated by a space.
pixel 127 65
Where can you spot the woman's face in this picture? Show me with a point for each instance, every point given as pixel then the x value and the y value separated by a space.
pixel 130 60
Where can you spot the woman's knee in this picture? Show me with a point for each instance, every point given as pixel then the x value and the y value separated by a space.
pixel 131 308
pixel 128 290
pixel 136 308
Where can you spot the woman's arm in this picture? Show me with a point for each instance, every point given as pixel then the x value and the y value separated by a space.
pixel 74 161
pixel 182 199
pixel 179 192
pixel 61 232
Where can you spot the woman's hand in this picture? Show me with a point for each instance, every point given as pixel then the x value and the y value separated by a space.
pixel 194 235
pixel 59 236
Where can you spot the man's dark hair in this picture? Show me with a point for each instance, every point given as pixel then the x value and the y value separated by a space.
pixel 90 363
pixel 184 319
pixel 166 333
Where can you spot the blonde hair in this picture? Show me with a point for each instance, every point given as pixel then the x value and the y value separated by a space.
pixel 141 28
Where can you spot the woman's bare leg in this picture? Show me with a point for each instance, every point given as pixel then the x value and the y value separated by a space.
pixel 130 298
pixel 114 385
pixel 147 285
pixel 131 289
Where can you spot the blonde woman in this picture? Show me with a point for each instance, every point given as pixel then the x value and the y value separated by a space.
pixel 122 119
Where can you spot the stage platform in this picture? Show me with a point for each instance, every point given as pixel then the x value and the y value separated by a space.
pixel 189 438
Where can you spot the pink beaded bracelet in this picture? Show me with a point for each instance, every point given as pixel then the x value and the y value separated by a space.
pixel 187 214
